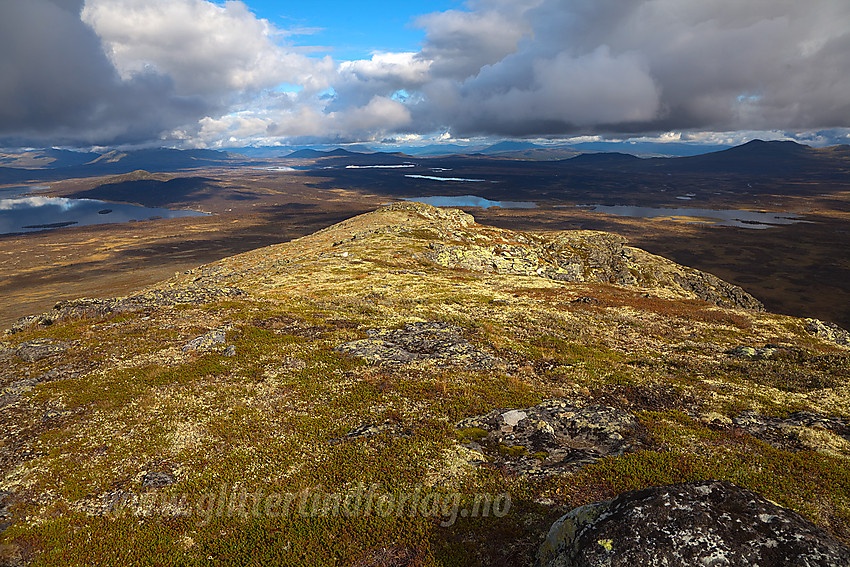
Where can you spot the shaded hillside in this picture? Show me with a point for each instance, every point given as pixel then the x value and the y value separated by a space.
pixel 754 158
pixel 417 354
pixel 151 192
pixel 64 165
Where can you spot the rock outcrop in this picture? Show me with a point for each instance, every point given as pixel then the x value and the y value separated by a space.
pixel 710 523
pixel 800 430
pixel 89 307
pixel 549 438
pixel 440 342
pixel 828 332
pixel 32 351
pixel 584 256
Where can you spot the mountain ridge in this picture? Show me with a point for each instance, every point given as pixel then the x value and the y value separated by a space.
pixel 412 349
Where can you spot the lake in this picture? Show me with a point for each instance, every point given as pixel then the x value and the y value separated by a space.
pixel 434 178
pixel 33 213
pixel 729 217
pixel 472 201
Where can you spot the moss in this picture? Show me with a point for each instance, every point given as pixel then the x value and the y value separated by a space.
pixel 473 433
pixel 512 451
pixel 275 416
pixel 421 234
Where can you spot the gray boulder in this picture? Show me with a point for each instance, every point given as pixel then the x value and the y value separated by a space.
pixel 706 524
pixel 550 438
pixel 440 342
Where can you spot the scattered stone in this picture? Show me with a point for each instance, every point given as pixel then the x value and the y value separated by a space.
pixel 586 299
pixel 710 523
pixel 828 332
pixel 13 392
pixel 206 342
pixel 754 353
pixel 54 414
pixel 230 351
pixel 551 437
pixel 158 479
pixel 801 430
pixel 97 308
pixel 38 349
pixel 440 342
pixel 5 510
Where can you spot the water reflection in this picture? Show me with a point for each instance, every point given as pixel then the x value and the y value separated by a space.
pixel 29 214
pixel 434 178
pixel 730 217
pixel 472 201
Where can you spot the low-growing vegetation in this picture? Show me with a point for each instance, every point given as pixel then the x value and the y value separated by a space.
pixel 135 409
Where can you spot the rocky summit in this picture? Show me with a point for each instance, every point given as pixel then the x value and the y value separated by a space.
pixel 410 387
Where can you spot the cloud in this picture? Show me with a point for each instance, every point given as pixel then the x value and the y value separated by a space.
pixel 384 74
pixel 304 123
pixel 652 65
pixel 136 71
pixel 459 43
pixel 58 86
pixel 555 68
pixel 556 95
pixel 205 48
pixel 210 73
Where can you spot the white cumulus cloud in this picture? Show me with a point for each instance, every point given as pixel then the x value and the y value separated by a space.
pixel 204 47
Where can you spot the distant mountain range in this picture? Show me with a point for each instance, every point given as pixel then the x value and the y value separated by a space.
pixel 309 153
pixel 530 150
pixel 755 157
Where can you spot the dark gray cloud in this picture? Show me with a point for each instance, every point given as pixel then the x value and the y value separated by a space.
pixel 588 66
pixel 59 87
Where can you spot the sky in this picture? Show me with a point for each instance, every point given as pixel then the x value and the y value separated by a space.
pixel 213 74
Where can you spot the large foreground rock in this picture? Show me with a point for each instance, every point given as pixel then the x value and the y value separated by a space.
pixel 706 524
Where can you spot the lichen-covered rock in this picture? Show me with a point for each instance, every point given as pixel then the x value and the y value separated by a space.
pixel 754 353
pixel 709 287
pixel 13 392
pixel 37 349
pixel 440 342
pixel 800 430
pixel 583 256
pixel 212 340
pixel 158 479
pixel 551 437
pixel 708 523
pixel 88 307
pixel 5 512
pixel 828 332
pixel 447 216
